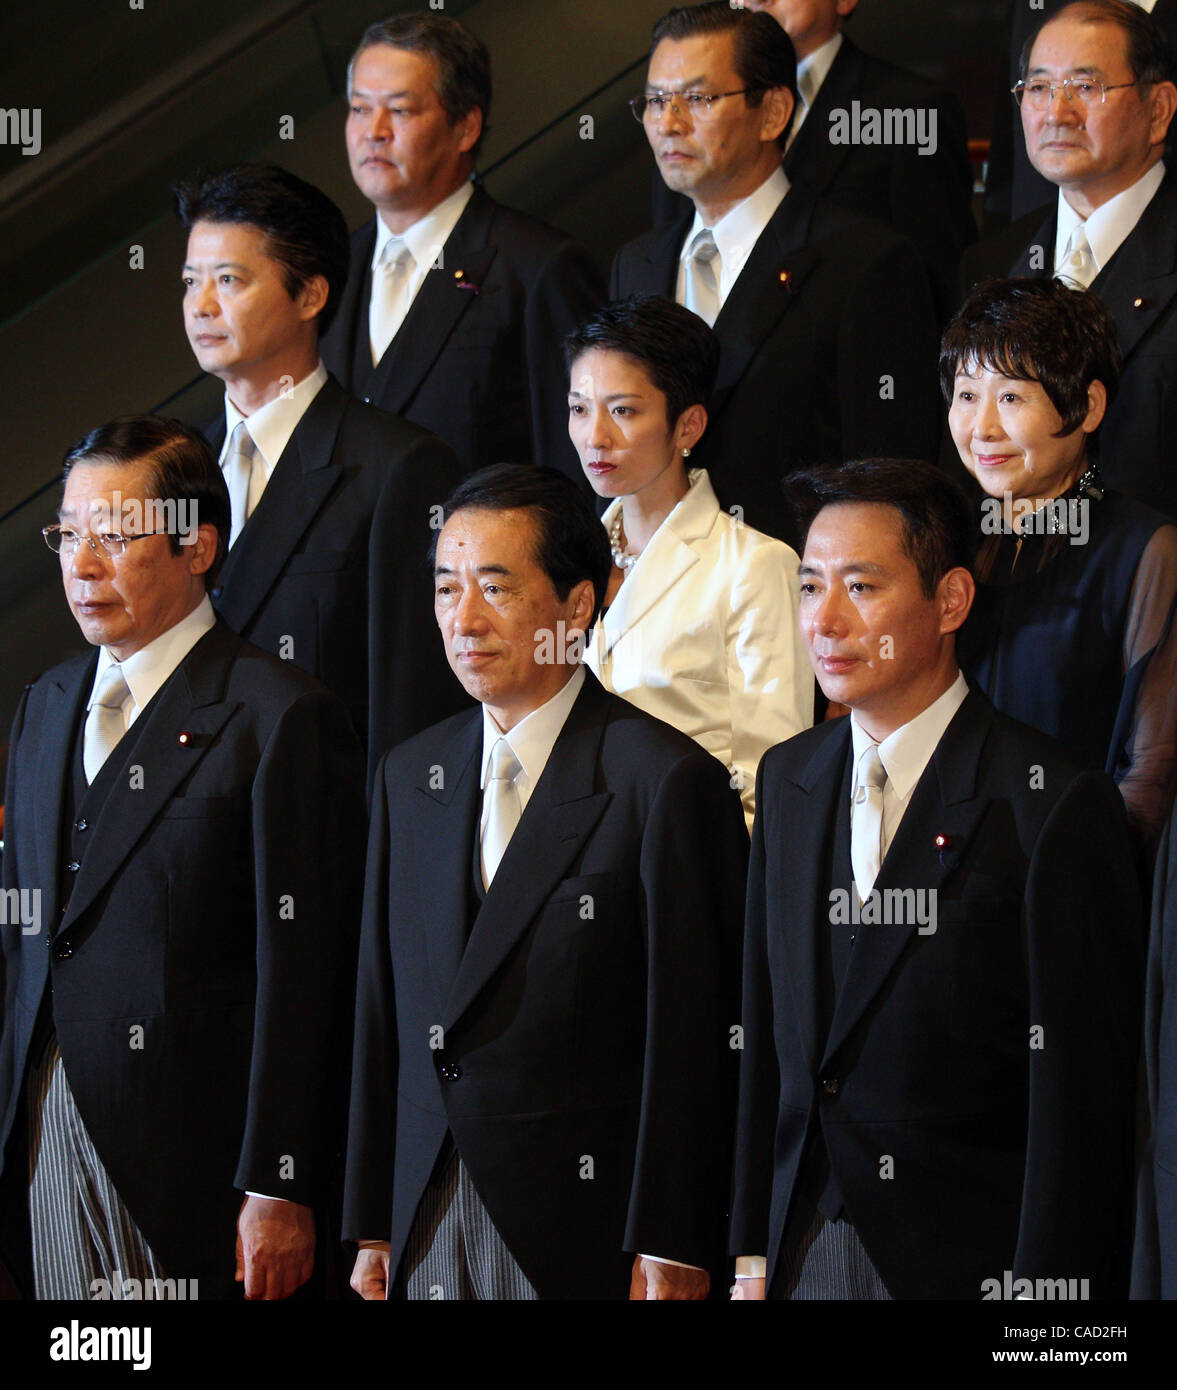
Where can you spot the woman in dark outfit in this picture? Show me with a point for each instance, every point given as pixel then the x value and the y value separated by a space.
pixel 1073 630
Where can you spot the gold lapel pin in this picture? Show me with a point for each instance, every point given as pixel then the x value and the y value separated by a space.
pixel 1138 302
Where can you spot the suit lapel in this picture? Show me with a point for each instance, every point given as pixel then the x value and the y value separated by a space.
pixel 803 877
pixel 1043 242
pixel 445 295
pixel 190 703
pixel 773 278
pixel 444 824
pixel 302 479
pixel 351 318
pixel 64 704
pixel 1139 283
pixel 944 803
pixel 560 816
pixel 813 158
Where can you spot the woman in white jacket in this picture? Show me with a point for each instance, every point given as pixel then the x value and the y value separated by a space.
pixel 700 627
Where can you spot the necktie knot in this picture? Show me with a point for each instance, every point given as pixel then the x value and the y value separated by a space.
pixel 871 772
pixel 395 256
pixel 703 248
pixel 112 689
pixel 105 724
pixel 1078 266
pixel 504 765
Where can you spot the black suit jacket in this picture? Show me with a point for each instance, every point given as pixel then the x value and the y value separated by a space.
pixel 577 1045
pixel 1013 186
pixel 827 350
pixel 1005 1155
pixel 1154 1272
pixel 330 570
pixel 478 360
pixel 217 911
pixel 1139 287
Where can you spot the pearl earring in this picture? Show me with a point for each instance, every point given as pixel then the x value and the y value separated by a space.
pixel 686 453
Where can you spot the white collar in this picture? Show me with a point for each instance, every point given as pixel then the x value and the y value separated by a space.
pixel 534 737
pixel 813 71
pixel 271 426
pixel 428 234
pixel 1110 225
pixel 146 671
pixel 906 752
pixel 739 229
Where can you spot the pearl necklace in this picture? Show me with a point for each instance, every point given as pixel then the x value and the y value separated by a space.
pixel 623 561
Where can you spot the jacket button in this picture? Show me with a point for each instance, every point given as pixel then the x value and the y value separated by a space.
pixel 82 824
pixel 367 400
pixel 451 1071
pixel 73 866
pixel 63 951
pixel 830 1085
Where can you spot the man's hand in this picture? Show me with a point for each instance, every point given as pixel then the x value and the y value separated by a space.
pixel 275 1247
pixel 652 1279
pixel 369 1278
pixel 748 1288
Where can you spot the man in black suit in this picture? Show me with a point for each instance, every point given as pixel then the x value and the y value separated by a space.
pixel 543 1069
pixel 1013 187
pixel 332 500
pixel 1113 226
pixel 923 183
pixel 455 307
pixel 941 978
pixel 824 318
pixel 172 1063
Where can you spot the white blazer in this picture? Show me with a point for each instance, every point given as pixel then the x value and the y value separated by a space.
pixel 704 634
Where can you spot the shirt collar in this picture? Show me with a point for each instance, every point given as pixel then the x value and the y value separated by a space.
pixel 906 752
pixel 534 737
pixel 813 71
pixel 1111 223
pixel 271 426
pixel 146 671
pixel 739 229
pixel 428 234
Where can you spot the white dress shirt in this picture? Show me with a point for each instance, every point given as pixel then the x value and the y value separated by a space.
pixel 704 635
pixel 1110 225
pixel 271 426
pixel 811 73
pixel 425 239
pixel 146 671
pixel 736 233
pixel 905 755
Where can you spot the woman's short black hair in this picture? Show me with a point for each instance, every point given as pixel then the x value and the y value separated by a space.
pixel 571 542
pixel 1035 330
pixel 938 520
pixel 181 467
pixel 678 351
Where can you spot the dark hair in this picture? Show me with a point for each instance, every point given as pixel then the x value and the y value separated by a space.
pixel 679 352
pixel 181 467
pixel 572 545
pixel 463 61
pixel 1035 330
pixel 939 526
pixel 305 232
pixel 1149 53
pixel 762 52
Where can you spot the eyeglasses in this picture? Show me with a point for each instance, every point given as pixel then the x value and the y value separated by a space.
pixel 651 105
pixel 1038 93
pixel 62 541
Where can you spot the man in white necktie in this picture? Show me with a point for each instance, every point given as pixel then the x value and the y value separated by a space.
pixel 824 317
pixel 541 1105
pixel 941 988
pixel 1097 101
pixel 175 1020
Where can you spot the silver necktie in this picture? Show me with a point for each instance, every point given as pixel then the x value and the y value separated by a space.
pixel 702 279
pixel 503 808
pixel 866 821
pixel 105 722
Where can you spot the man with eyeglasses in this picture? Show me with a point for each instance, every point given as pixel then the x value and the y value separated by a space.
pixel 824 317
pixel 179 982
pixel 1096 101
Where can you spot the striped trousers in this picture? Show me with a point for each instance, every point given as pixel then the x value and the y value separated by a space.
pixel 84 1238
pixel 454 1250
pixel 829 1262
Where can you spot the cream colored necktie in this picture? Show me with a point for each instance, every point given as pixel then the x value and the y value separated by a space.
pixel 105 721
pixel 1078 268
pixel 245 476
pixel 866 821
pixel 389 303
pixel 503 808
pixel 702 279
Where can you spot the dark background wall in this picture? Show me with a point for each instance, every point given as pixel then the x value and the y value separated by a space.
pixel 133 98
